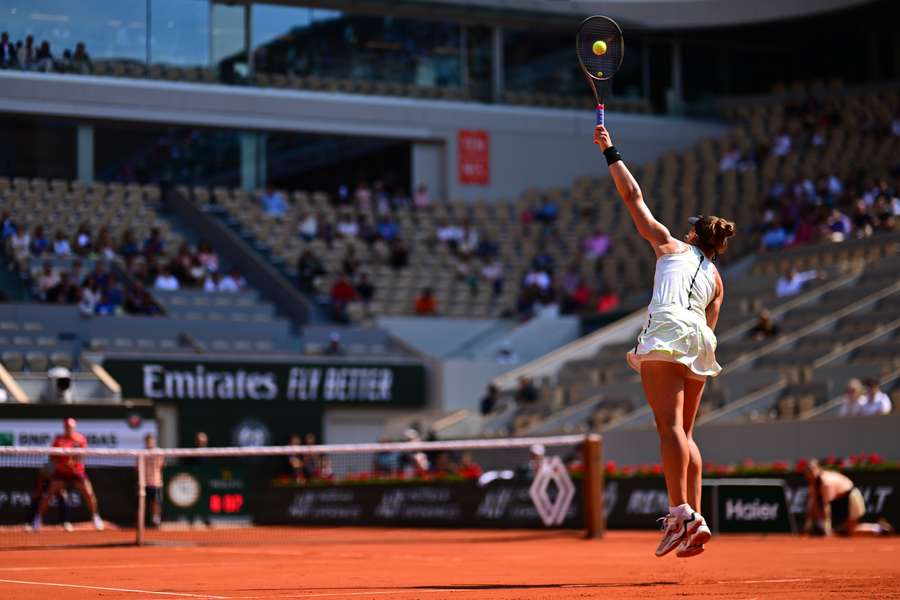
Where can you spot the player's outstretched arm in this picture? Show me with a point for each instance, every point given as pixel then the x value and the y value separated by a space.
pixel 650 229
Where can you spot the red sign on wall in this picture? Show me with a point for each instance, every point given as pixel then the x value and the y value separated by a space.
pixel 474 160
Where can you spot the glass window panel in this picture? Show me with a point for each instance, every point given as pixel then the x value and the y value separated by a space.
pixel 179 32
pixel 37 147
pixel 332 44
pixel 109 28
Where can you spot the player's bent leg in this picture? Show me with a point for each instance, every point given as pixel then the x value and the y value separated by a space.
pixel 86 490
pixel 54 488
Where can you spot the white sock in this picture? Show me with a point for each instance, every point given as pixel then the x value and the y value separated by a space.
pixel 681 511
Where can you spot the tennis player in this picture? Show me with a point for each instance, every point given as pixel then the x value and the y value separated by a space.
pixel 69 469
pixel 675 351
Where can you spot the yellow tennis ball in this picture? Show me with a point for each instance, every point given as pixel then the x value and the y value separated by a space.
pixel 599 47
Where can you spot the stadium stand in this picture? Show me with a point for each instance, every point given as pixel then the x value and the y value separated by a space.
pixel 839 327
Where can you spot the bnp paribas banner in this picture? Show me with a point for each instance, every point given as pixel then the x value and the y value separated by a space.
pixel 321 383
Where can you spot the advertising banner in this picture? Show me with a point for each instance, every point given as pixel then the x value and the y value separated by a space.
pixel 316 383
pixel 474 157
pixel 125 434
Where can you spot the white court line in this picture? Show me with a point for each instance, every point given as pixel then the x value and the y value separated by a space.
pixel 796 580
pixel 112 589
pixel 104 567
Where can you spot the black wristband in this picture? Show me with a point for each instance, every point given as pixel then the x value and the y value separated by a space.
pixel 612 155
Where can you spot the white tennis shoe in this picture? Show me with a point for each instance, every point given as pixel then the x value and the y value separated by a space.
pixel 673 528
pixel 696 536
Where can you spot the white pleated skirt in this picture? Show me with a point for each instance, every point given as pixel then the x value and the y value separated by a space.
pixel 675 334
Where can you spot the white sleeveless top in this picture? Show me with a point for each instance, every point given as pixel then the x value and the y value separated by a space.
pixel 684 279
pixel 676 329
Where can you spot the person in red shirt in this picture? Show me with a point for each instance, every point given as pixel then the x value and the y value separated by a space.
pixel 342 294
pixel 69 469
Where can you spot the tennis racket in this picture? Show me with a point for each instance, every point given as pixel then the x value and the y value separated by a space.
pixel 600 48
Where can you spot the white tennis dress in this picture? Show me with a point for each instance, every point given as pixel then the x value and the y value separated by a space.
pixel 676 330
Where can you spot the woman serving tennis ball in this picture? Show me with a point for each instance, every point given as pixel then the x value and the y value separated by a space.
pixel 675 351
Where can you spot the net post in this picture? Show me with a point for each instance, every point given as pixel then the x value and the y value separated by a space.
pixel 141 499
pixel 593 486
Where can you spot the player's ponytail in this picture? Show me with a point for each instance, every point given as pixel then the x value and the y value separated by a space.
pixel 713 233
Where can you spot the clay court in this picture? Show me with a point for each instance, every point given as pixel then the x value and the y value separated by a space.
pixel 407 564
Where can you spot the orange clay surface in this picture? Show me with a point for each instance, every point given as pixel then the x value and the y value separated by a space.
pixel 406 564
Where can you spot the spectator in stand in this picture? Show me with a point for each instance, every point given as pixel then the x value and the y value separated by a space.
pixel 776 237
pixel 468 242
pixel 308 227
pixel 8 54
pixel 64 292
pixel 381 198
pixel 207 257
pixel 83 240
pixel 69 470
pixel 47 280
pixel 493 274
pixel 399 255
pixel 27 54
pixel 7 227
pixel 597 245
pixel 793 283
pixel 490 400
pixel 165 281
pixel 839 225
pixel 421 199
pixel 365 291
pixel 877 402
pixel 129 246
pixel 347 226
pixel 232 282
pixel 862 220
pixel 334 347
pixel 39 242
pixel 273 202
pixel 350 263
pixel 90 296
pixel 426 303
pixel 468 468
pixel 76 272
pixel 730 160
pixel 61 245
pixel 153 245
pixel 539 278
pixel 527 394
pixel 81 62
pixel 139 302
pixel 342 294
pixel 20 245
pixel 854 399
pixel 449 234
pixel 546 212
pixel 388 229
pixel 764 328
pixel 44 58
pixel 309 269
pixel 363 197
pixel 212 283
pixel 782 144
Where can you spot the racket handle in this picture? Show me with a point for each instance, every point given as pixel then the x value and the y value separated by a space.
pixel 600 114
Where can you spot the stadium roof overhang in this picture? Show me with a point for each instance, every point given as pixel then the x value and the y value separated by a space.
pixel 644 14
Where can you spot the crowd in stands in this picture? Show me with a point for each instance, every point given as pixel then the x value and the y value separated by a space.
pixel 829 207
pixel 27 56
pixel 37 257
pixel 865 399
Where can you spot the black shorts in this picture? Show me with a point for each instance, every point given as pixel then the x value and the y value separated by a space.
pixel 68 477
pixel 844 507
pixel 154 494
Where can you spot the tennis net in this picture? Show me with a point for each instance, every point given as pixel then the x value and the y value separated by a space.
pixel 272 494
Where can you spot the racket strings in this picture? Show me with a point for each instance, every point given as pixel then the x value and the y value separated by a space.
pixel 605 65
